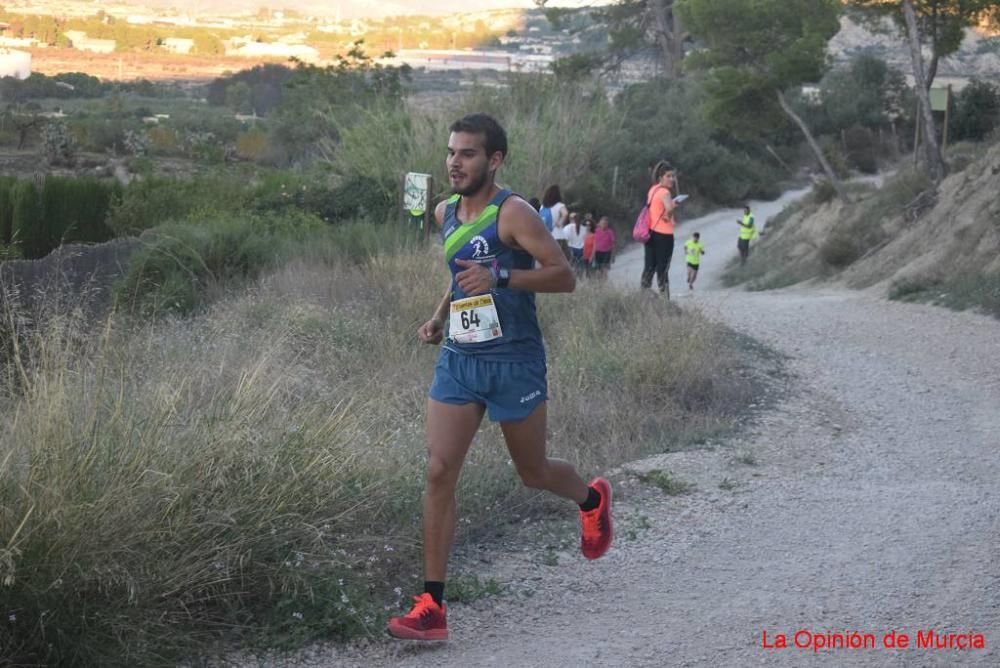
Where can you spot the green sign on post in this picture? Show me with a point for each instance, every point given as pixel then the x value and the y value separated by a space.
pixel 939 99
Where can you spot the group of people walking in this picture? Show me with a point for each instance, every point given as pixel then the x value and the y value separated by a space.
pixel 587 243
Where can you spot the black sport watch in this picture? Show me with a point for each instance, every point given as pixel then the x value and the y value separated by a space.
pixel 503 277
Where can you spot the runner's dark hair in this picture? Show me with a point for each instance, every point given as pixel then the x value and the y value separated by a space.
pixel 486 125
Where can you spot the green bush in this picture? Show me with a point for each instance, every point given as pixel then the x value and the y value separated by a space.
pixel 76 209
pixel 186 263
pixel 840 249
pixel 150 202
pixel 27 221
pixel 976 113
pixel 823 192
pixel 862 149
pixel 7 184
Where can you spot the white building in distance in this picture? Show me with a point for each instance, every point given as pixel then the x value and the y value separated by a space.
pixel 273 50
pixel 178 45
pixel 15 64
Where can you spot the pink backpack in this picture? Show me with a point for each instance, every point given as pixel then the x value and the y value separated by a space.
pixel 640 231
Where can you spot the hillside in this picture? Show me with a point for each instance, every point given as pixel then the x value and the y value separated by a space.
pixel 903 240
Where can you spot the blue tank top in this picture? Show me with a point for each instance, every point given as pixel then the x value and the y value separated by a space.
pixel 479 241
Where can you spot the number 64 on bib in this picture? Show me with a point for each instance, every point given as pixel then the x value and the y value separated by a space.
pixel 474 320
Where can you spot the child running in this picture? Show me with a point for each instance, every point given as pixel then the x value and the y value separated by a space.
pixel 695 249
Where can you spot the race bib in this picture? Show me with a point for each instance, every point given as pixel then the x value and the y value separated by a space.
pixel 474 320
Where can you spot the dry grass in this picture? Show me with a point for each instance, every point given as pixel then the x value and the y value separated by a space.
pixel 253 474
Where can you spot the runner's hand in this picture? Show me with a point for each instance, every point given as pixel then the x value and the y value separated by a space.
pixel 475 279
pixel 431 332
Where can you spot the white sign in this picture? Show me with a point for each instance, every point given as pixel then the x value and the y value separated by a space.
pixel 415 194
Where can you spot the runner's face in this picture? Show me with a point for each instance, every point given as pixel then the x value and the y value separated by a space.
pixel 468 167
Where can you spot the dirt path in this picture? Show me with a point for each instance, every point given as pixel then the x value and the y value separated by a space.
pixel 867 501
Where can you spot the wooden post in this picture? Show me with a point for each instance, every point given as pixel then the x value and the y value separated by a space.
pixel 614 183
pixel 404 215
pixel 947 110
pixel 429 208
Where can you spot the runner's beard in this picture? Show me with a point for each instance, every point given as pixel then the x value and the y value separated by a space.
pixel 475 184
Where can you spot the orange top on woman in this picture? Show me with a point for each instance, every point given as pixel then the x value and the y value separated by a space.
pixel 659 222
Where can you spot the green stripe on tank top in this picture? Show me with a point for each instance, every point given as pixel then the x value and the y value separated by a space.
pixel 463 233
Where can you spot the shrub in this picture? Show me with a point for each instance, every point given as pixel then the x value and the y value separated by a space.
pixel 76 209
pixel 184 264
pixel 149 202
pixel 823 192
pixel 840 249
pixel 976 113
pixel 27 221
pixel 163 140
pixel 255 146
pixel 7 184
pixel 862 149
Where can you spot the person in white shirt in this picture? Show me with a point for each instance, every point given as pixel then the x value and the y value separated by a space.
pixel 554 214
pixel 576 234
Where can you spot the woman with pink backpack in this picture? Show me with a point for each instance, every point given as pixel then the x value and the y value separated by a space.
pixel 660 205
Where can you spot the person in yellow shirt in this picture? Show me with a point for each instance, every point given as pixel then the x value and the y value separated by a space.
pixel 695 249
pixel 748 232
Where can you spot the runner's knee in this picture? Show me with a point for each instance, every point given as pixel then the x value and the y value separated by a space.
pixel 441 473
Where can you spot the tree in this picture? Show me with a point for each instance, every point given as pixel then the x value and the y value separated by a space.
pixel 868 92
pixel 633 27
pixel 935 163
pixel 755 51
pixel 941 23
pixel 206 44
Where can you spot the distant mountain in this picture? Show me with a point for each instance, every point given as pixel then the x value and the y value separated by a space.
pixel 347 9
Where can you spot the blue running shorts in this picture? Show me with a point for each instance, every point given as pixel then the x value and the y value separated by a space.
pixel 510 390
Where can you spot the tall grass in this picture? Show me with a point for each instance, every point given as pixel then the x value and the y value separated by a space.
pixel 556 135
pixel 253 473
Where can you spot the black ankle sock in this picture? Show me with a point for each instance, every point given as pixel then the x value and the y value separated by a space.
pixel 593 500
pixel 436 590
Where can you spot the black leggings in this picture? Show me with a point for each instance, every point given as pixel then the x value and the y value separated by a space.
pixel 659 249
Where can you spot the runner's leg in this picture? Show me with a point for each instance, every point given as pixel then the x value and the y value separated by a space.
pixel 526 445
pixel 450 430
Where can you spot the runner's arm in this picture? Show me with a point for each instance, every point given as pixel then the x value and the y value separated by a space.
pixel 521 227
pixel 432 330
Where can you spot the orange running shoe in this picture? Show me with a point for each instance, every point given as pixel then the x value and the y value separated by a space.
pixel 595 538
pixel 426 621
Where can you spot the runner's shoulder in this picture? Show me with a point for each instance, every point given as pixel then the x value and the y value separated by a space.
pixel 439 211
pixel 516 208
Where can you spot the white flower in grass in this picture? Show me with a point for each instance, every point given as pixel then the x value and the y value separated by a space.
pixel 297 615
pixel 399 591
pixel 343 598
pixel 12 617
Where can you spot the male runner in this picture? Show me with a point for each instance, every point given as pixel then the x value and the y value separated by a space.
pixel 493 357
